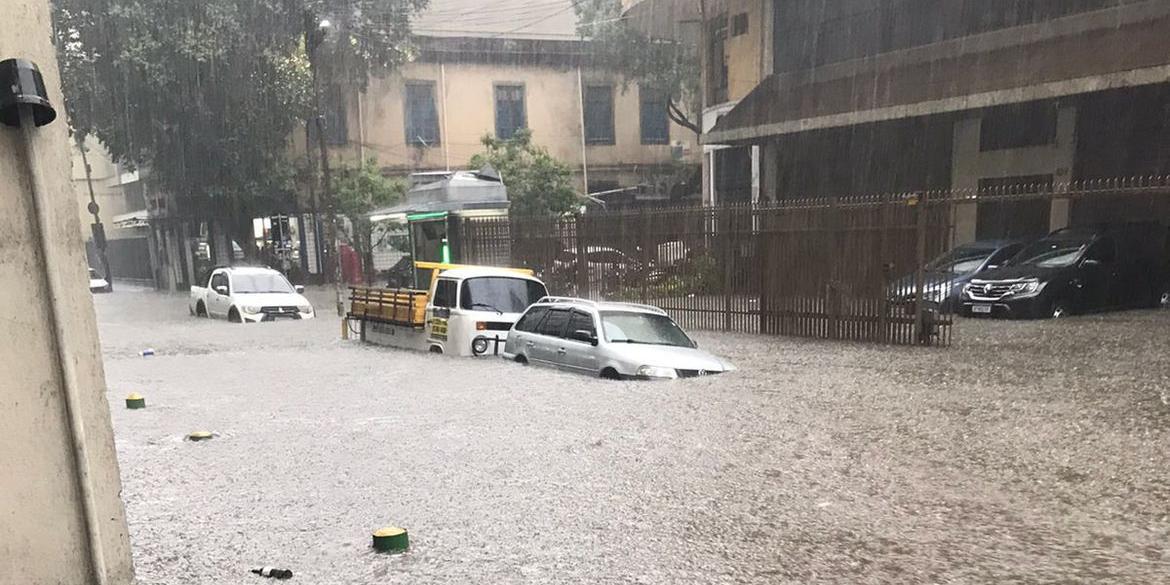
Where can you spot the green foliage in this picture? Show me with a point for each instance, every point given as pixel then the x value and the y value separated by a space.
pixel 360 189
pixel 538 184
pixel 207 94
pixel 669 66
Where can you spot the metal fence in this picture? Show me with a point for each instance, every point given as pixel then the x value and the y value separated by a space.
pixel 813 269
pixel 852 268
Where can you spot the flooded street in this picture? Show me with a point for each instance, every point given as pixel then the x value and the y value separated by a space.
pixel 1029 452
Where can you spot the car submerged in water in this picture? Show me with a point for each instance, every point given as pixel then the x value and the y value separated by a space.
pixel 1077 270
pixel 620 341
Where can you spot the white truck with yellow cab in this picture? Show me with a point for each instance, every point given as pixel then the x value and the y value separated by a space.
pixel 466 311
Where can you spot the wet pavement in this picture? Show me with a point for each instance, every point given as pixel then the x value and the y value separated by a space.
pixel 1030 452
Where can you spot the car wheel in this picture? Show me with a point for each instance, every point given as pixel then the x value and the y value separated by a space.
pixel 1164 299
pixel 234 316
pixel 520 359
pixel 200 310
pixel 610 374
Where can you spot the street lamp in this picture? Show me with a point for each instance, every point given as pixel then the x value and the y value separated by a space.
pixel 315 31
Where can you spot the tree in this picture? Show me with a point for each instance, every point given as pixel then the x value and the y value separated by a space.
pixel 669 66
pixel 360 189
pixel 207 94
pixel 537 183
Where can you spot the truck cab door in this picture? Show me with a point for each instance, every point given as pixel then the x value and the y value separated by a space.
pixel 438 313
pixel 218 304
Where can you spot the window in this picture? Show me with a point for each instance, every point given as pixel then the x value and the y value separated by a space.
pixel 582 322
pixel 739 24
pixel 445 293
pixel 510 114
pixel 422 122
pixel 598 114
pixel 655 124
pixel 1018 126
pixel 504 295
pixel 531 319
pixel 218 280
pixel 1103 251
pixel 261 283
pixel 1003 256
pixel 643 328
pixel 717 58
pixel 554 324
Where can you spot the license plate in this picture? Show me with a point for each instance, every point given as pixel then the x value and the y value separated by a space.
pixel 985 309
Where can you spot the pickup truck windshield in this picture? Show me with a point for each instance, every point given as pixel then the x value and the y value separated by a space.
pixel 260 283
pixel 1050 253
pixel 500 293
pixel 646 328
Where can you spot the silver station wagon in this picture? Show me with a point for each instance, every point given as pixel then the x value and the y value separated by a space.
pixel 610 340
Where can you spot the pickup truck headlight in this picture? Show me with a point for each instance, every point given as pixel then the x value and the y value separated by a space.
pixel 251 309
pixel 305 308
pixel 657 372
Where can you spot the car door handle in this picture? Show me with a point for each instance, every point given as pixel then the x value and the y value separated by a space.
pixel 530 344
pixel 561 351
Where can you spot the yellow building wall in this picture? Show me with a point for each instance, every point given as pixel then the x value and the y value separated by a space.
pixel 745 54
pixel 465 104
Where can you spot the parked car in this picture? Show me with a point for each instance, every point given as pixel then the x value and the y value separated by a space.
pixel 946 275
pixel 609 268
pixel 249 295
pixel 98 284
pixel 610 340
pixel 1076 270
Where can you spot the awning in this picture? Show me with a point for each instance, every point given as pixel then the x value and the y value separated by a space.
pixel 454 192
pixel 134 219
pixel 1002 67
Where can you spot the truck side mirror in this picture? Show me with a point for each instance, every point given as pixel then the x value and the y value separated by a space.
pixel 221 289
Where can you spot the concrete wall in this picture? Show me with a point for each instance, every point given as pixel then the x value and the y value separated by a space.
pixel 969 166
pixel 42 517
pixel 466 108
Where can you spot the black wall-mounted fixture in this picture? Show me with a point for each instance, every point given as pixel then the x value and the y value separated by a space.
pixel 21 84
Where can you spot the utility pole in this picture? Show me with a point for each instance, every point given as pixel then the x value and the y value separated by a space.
pixel 98 229
pixel 314 37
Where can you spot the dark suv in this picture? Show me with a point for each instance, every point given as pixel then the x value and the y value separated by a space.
pixel 1076 270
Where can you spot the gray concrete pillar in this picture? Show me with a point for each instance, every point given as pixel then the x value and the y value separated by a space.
pixel 61 517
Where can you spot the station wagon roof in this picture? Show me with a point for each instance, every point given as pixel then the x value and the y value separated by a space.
pixel 570 302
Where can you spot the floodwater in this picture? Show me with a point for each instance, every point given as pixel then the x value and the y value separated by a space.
pixel 1030 452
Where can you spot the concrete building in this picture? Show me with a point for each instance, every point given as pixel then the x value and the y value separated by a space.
pixel 61 517
pixel 121 201
pixel 839 97
pixel 487 69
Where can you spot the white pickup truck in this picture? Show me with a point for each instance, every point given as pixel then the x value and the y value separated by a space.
pixel 249 295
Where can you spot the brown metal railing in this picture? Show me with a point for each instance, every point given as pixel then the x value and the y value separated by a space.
pixel 848 268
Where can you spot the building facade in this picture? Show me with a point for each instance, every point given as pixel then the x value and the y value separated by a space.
pixel 479 75
pixel 122 210
pixel 872 96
